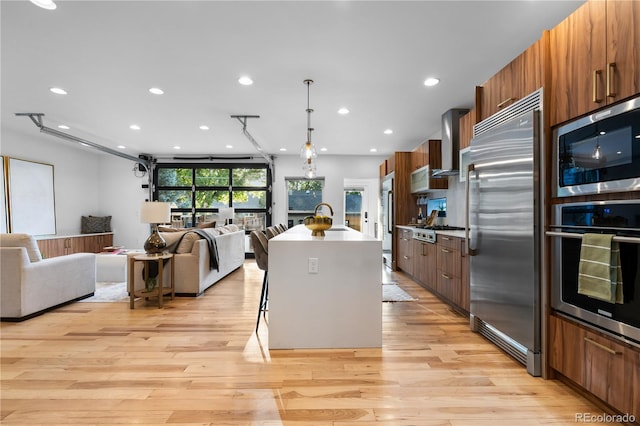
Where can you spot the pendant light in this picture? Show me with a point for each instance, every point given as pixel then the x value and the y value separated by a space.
pixel 308 150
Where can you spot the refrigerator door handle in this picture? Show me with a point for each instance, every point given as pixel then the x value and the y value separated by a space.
pixel 471 251
pixel 389 212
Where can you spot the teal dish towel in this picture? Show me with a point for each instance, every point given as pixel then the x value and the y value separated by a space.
pixel 599 272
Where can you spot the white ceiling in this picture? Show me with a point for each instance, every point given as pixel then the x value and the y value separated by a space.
pixel 369 56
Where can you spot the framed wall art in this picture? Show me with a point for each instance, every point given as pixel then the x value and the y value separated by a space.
pixel 30 199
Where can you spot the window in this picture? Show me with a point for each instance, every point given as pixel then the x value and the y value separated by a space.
pixel 303 195
pixel 198 191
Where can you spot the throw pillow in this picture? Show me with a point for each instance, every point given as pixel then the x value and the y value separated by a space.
pixel 95 224
pixel 186 244
pixel 203 225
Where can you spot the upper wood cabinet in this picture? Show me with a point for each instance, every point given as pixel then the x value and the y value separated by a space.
pixel 466 128
pixel 594 58
pixel 523 75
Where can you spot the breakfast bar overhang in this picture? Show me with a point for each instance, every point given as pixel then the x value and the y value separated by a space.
pixel 325 291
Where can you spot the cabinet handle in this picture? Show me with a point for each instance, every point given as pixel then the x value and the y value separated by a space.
pixel 506 101
pixel 596 75
pixel 603 347
pixel 446 238
pixel 445 276
pixel 610 72
pixel 445 251
pixel 406 257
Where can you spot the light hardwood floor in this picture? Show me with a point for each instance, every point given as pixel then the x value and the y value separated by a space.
pixel 198 361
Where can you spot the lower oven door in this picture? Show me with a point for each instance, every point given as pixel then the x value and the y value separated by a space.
pixel 623 319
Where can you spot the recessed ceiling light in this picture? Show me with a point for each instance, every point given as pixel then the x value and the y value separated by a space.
pixel 122 147
pixel 83 144
pixel 204 127
pixel 388 131
pixel 176 147
pixel 58 91
pixel 323 149
pixel 134 127
pixel 245 81
pixel 343 111
pixel 45 4
pixel 156 91
pixel 62 126
pixel 228 146
pixel 619 152
pixel 283 149
pixel 373 150
pixel 431 81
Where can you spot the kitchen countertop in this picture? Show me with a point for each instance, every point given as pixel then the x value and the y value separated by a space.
pixel 451 233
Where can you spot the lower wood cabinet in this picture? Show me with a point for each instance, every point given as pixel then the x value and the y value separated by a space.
pixel 442 268
pixel 601 365
pixel 424 268
pixel 405 250
pixel 61 246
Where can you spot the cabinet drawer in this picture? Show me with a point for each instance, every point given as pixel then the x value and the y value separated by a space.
pixel 448 241
pixel 448 285
pixel 449 261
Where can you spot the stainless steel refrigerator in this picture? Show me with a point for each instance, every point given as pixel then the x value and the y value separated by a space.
pixel 503 198
pixel 387 220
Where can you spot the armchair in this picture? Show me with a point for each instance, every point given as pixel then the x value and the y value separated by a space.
pixel 30 285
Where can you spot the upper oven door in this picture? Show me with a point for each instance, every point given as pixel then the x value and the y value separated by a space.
pixel 600 153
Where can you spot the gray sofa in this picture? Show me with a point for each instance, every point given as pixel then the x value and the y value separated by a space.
pixel 193 274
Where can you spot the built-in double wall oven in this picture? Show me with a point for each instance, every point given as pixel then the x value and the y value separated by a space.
pixel 570 222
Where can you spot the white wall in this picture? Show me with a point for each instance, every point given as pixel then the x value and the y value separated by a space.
pixel 74 175
pixel 335 169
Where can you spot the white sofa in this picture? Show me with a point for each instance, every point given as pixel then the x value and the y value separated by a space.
pixel 193 274
pixel 30 285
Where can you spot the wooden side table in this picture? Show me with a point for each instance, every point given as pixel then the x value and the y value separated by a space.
pixel 160 290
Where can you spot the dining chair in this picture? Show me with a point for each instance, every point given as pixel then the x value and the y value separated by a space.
pixel 261 251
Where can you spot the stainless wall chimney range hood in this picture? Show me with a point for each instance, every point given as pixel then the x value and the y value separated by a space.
pixel 450 143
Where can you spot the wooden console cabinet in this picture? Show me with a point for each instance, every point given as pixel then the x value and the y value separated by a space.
pixel 86 243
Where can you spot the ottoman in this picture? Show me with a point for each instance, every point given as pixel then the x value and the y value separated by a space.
pixel 111 267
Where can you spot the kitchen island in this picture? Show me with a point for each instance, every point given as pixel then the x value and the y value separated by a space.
pixel 325 292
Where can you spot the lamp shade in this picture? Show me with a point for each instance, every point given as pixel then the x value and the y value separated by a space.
pixel 155 212
pixel 225 213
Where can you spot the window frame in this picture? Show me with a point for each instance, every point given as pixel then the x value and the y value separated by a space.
pixel 193 210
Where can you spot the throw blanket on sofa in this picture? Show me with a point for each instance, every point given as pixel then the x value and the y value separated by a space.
pixel 214 259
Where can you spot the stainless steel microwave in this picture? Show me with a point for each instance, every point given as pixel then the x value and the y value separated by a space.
pixel 600 152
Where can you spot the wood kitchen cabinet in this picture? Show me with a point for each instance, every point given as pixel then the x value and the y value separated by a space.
pixel 595 61
pixel 424 264
pixel 519 78
pixel 61 246
pixel 601 365
pixel 466 129
pixel 405 250
pixel 448 268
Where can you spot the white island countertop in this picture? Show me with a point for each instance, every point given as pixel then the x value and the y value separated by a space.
pixel 325 292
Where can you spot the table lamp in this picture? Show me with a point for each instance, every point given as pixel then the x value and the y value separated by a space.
pixel 155 213
pixel 226 214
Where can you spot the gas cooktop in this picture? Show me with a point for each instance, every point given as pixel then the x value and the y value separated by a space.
pixel 440 227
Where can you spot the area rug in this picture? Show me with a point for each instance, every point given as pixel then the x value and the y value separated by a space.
pixel 109 292
pixel 391 292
